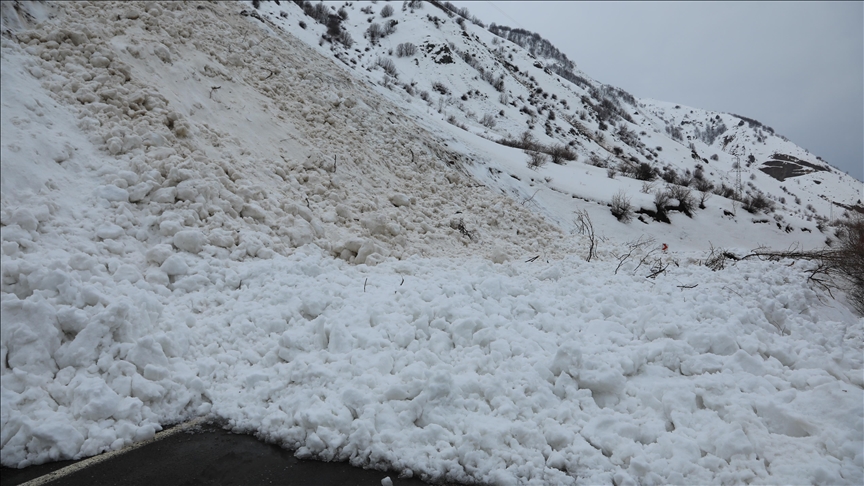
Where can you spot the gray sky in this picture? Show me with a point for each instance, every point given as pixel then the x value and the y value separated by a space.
pixel 797 67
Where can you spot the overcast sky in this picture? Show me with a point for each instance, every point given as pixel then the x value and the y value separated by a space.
pixel 797 67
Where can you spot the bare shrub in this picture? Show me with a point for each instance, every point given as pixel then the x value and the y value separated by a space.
pixel 684 197
pixel 536 159
pixel 389 27
pixel 386 11
pixel 498 84
pixel 561 154
pixel 647 188
pixel 851 260
pixel 644 172
pixel 725 191
pixel 387 65
pixel 596 161
pixel 621 207
pixel 758 202
pixel 406 49
pixel 344 38
pixel 374 32
pixel 661 201
pixel 488 121
pixel 704 187
pixel 437 86
pixel 526 141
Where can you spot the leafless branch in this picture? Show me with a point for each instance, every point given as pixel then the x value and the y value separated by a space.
pixel 585 227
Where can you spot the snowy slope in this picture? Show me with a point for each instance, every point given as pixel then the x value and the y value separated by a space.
pixel 203 213
pixel 462 73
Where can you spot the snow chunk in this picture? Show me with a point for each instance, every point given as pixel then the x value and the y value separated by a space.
pixel 147 351
pixel 30 334
pixel 175 265
pixel 112 193
pixel 24 218
pixel 189 240
pixel 162 53
pixel 221 238
pixel 567 359
pixel 400 200
pixel 159 253
pixel 110 231
pixel 499 254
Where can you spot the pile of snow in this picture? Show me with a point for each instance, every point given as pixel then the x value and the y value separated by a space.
pixel 185 234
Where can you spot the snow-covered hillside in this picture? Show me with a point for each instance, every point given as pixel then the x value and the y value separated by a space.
pixel 496 89
pixel 209 209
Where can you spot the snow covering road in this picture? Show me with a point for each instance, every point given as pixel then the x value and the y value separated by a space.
pixel 127 305
pixel 468 370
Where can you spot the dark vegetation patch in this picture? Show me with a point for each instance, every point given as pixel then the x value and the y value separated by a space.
pixel 782 167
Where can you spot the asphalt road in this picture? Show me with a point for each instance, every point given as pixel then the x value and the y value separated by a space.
pixel 204 455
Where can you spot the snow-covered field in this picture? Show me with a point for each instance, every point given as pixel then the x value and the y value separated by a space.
pixel 295 253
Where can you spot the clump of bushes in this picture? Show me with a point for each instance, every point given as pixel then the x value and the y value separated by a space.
pixel 559 154
pixel 437 86
pixel 387 65
pixel 757 202
pixel 641 171
pixel 406 49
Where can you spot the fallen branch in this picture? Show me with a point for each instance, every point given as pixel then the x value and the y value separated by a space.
pixel 632 247
pixel 657 269
pixel 585 227
pixel 530 198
